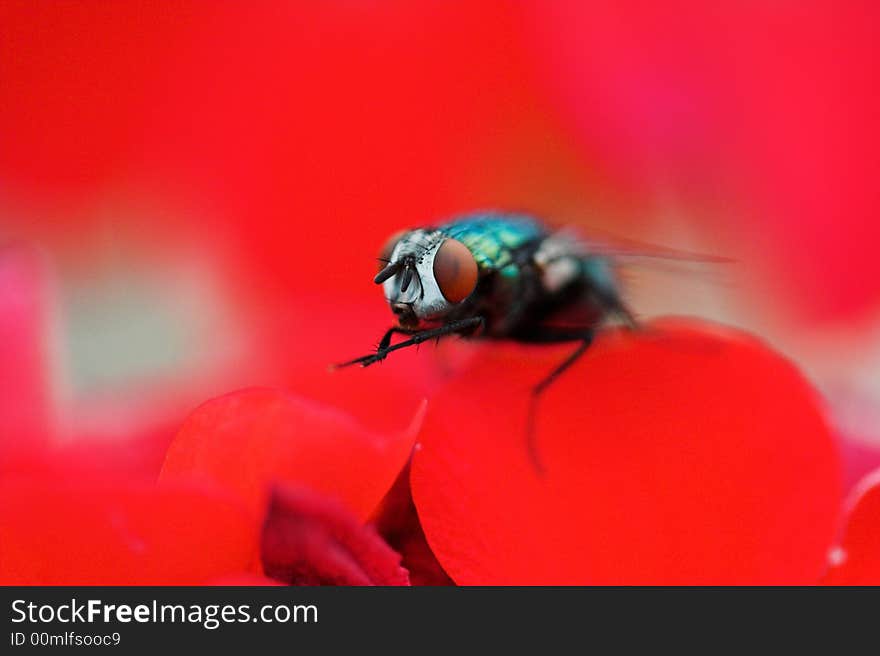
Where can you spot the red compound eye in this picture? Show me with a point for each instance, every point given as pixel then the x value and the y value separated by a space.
pixel 455 270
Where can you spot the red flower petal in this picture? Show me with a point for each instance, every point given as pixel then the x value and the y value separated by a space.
pixel 71 532
pixel 680 455
pixel 860 458
pixel 310 539
pixel 244 579
pixel 856 560
pixel 397 521
pixel 248 439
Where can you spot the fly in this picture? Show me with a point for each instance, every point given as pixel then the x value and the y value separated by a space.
pixel 497 275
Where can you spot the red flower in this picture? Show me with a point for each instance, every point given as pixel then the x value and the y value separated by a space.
pixel 249 439
pixel 397 521
pixel 313 533
pixel 856 558
pixel 311 540
pixel 681 455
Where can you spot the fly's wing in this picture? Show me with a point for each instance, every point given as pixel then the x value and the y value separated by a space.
pixel 641 265
pixel 625 273
pixel 622 249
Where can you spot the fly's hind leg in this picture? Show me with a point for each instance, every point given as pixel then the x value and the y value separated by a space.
pixel 549 335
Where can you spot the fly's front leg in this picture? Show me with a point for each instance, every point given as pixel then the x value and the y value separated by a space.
pixel 381 348
pixel 462 326
pixel 385 342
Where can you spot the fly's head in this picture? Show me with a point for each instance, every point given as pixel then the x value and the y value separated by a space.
pixel 425 275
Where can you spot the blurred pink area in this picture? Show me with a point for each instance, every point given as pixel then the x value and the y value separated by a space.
pixel 759 114
pixel 25 397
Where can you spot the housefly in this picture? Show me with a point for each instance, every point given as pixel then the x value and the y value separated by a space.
pixel 497 275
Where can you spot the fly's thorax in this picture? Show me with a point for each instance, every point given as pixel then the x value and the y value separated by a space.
pixel 442 273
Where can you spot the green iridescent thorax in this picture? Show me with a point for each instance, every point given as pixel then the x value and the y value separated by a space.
pixel 492 237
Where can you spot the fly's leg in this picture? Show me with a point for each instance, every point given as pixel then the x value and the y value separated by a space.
pixel 382 347
pixel 547 335
pixel 385 342
pixel 463 326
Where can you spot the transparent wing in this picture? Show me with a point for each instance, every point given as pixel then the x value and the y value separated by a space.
pixel 654 279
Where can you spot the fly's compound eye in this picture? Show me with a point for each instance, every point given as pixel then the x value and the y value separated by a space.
pixel 455 270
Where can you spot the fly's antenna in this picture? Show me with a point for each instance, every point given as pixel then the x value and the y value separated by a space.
pixel 388 272
pixel 421 286
pixel 407 277
pixel 407 265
